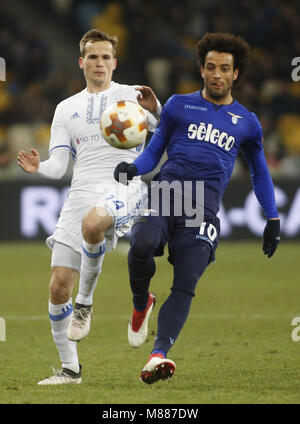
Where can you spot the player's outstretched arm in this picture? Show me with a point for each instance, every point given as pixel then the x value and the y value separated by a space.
pixel 148 100
pixel 29 162
pixel 264 192
pixel 55 167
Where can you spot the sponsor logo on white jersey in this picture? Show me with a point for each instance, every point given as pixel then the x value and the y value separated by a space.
pixel 203 132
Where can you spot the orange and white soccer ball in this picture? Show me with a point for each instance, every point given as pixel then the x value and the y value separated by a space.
pixel 124 124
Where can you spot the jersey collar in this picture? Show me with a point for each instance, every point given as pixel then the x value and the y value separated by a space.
pixel 215 106
pixel 112 85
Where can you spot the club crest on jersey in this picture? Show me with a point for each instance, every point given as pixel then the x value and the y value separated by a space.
pixel 234 118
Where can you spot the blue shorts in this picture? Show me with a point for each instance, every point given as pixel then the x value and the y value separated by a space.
pixel 174 231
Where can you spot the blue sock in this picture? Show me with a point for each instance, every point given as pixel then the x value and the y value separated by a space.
pixel 158 351
pixel 188 268
pixel 138 307
pixel 145 239
pixel 171 318
pixel 140 272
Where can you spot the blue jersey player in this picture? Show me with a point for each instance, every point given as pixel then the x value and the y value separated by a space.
pixel 202 133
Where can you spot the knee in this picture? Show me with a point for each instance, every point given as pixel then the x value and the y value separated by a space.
pixel 91 229
pixel 60 290
pixel 185 281
pixel 95 224
pixel 142 245
pixel 182 292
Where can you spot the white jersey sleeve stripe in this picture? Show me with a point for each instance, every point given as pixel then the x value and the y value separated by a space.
pixel 72 150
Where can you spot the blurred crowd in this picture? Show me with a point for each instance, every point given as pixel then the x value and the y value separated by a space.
pixel 156 48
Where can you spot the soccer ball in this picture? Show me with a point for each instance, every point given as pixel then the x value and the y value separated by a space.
pixel 124 124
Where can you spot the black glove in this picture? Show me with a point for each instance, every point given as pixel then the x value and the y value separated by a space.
pixel 271 236
pixel 125 168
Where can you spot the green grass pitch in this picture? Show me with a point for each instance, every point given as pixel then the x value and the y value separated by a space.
pixel 236 346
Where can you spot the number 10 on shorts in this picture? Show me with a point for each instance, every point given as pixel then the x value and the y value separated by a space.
pixel 211 231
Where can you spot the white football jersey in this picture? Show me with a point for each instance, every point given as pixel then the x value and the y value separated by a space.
pixel 76 126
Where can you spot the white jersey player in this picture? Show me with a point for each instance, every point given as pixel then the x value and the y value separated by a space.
pixel 75 132
pixel 98 209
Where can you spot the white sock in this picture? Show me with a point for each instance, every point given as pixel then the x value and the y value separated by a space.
pixel 91 265
pixel 60 317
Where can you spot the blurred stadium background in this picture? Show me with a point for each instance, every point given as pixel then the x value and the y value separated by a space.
pixel 236 346
pixel 39 42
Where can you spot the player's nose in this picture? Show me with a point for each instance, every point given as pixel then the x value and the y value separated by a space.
pixel 99 62
pixel 216 75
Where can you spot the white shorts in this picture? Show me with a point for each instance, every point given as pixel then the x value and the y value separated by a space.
pixel 63 255
pixel 122 202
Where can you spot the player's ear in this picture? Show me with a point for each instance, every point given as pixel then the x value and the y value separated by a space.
pixel 235 74
pixel 80 62
pixel 202 71
pixel 115 64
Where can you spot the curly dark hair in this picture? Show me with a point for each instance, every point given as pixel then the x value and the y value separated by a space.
pixel 225 43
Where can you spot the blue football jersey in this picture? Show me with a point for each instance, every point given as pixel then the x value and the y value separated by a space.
pixel 202 141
